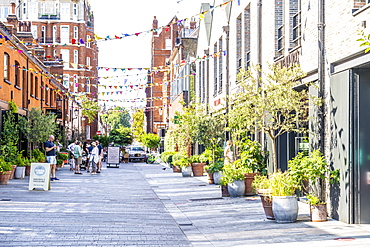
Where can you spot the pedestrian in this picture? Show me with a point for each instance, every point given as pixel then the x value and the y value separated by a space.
pixel 71 156
pixel 228 153
pixel 50 149
pixel 94 157
pixel 100 147
pixel 78 157
pixel 89 149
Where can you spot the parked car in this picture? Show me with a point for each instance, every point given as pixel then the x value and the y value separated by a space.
pixel 136 153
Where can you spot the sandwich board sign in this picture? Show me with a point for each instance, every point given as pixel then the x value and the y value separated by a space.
pixel 113 156
pixel 39 176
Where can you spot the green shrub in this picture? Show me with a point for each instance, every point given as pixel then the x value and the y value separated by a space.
pixel 5 166
pixel 167 156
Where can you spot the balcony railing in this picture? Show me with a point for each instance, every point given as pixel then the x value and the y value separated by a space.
pixel 49 17
pixel 48 40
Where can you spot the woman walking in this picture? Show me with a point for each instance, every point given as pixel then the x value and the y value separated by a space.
pixel 95 157
pixel 77 152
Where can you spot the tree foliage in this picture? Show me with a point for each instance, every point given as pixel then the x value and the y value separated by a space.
pixel 271 104
pixel 37 127
pixel 117 117
pixel 121 136
pixel 138 124
pixel 90 109
pixel 150 140
pixel 365 40
pixel 9 136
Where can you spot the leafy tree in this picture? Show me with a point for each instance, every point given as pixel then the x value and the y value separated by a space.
pixel 270 104
pixel 138 124
pixel 121 136
pixel 37 127
pixel 90 109
pixel 365 39
pixel 10 134
pixel 104 140
pixel 150 140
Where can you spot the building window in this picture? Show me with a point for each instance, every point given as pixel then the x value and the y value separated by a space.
pixel 239 58
pixel 88 61
pixel 42 89
pixel 200 74
pixel 358 4
pixel 75 33
pixel 65 10
pixel 88 37
pixel 75 56
pixel 32 89
pixel 42 8
pixel 75 82
pixel 43 34
pixel 204 81
pixel 24 8
pixel 279 28
pixel 54 34
pixel 168 44
pixel 17 74
pixel 47 95
pixel 33 10
pixel 37 87
pixel 74 9
pixel 6 66
pixel 64 35
pixel 66 81
pixel 247 37
pixel 87 86
pixel 220 64
pixel 24 79
pixel 64 53
pixel 215 70
pixel 295 19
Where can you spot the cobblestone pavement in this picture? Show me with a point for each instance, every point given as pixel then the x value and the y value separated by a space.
pixel 149 205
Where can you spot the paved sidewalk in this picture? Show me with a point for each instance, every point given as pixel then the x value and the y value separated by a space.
pixel 144 205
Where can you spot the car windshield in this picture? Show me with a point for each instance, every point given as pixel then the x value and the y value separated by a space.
pixel 137 149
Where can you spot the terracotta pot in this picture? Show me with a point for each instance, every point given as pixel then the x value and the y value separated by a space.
pixel 267 206
pixel 198 169
pixel 28 170
pixel 249 178
pixel 4 177
pixel 225 191
pixel 176 168
pixel 318 213
pixel 13 171
pixel 210 178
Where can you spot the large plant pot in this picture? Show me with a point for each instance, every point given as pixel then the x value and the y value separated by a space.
pixel 28 170
pixel 285 208
pixel 198 169
pixel 186 171
pixel 4 177
pixel 237 188
pixel 20 172
pixel 176 168
pixel 13 171
pixel 318 213
pixel 210 178
pixel 267 206
pixel 225 191
pixel 249 178
pixel 217 177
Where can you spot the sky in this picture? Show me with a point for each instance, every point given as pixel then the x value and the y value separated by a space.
pixel 117 17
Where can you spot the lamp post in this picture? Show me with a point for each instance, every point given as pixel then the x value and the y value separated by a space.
pixel 77 113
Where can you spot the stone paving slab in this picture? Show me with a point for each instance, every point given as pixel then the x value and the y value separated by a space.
pixel 114 208
pixel 241 221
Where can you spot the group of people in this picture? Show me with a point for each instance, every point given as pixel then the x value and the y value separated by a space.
pixel 92 152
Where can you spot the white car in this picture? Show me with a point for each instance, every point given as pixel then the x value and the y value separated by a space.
pixel 136 153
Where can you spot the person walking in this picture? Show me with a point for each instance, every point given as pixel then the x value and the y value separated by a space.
pixel 50 148
pixel 78 157
pixel 100 148
pixel 71 156
pixel 228 153
pixel 94 157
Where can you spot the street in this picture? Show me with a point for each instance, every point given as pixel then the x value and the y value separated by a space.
pixel 148 205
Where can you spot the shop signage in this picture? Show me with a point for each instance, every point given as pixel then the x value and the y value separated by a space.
pixel 39 176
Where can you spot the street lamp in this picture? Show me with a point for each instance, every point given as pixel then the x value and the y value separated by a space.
pixel 77 114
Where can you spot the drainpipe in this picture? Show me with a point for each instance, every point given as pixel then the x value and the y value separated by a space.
pixel 227 31
pixel 321 82
pixel 258 135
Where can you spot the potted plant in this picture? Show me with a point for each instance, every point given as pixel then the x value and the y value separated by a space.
pixel 197 164
pixel 308 169
pixel 284 201
pixel 215 163
pixel 61 159
pixel 253 158
pixel 261 185
pixel 5 171
pixel 20 171
pixel 233 177
pixel 170 158
pixel 184 164
pixel 166 157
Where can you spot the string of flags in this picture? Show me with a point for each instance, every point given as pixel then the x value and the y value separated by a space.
pixel 166 27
